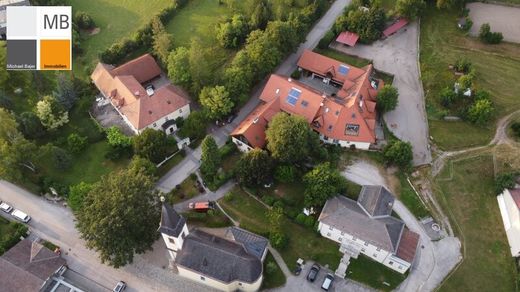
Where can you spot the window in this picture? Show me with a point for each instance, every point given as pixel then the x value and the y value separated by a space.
pixel 330 128
pixel 363 250
pixel 202 278
pixel 366 243
pixel 330 228
pixel 294 95
pixel 183 235
pixel 400 267
pixel 378 249
pixel 352 129
pixel 374 255
pixel 171 240
pixel 391 263
pixel 354 238
pixel 180 110
pixel 335 141
pixel 305 103
pixel 166 119
pixel 239 284
pixel 342 233
pixel 155 124
pixel 328 234
pixel 340 239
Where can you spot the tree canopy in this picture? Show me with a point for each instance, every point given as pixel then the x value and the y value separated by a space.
pixel 254 168
pixel 322 183
pixel 387 99
pixel 51 113
pixel 216 101
pixel 210 158
pixel 399 153
pixel 119 216
pixel 153 145
pixel 288 138
pixel 232 33
pixel 179 67
pixel 410 9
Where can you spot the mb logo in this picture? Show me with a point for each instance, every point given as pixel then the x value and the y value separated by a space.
pixel 56 21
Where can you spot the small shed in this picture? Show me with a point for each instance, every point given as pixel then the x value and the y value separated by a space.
pixel 348 38
pixel 400 23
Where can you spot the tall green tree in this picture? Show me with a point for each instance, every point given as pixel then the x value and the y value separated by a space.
pixel 51 113
pixel 77 194
pixel 162 40
pixel 254 168
pixel 410 9
pixel 288 138
pixel 65 93
pixel 179 67
pixel 216 101
pixel 232 33
pixel 210 158
pixel 30 125
pixel 119 216
pixel 399 153
pixel 194 126
pixel 153 145
pixel 387 99
pixel 261 14
pixel 322 183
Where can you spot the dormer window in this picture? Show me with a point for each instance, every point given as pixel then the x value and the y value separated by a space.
pixel 330 128
pixel 352 129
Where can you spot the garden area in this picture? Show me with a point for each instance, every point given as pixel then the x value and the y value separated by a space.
pixel 10 233
pixel 496 70
pixel 273 275
pixel 188 189
pixel 466 189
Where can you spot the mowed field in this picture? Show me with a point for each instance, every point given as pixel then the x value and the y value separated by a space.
pixel 497 70
pixel 465 188
pixel 115 19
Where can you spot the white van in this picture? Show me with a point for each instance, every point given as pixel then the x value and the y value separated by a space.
pixel 19 215
pixel 327 282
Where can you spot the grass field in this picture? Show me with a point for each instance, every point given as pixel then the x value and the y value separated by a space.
pixel 379 274
pixel 497 68
pixel 116 19
pixel 187 190
pixel 465 189
pixel 275 278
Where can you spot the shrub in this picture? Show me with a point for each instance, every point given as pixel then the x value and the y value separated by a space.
pixel 291 212
pixel 387 98
pixel 486 36
pixel 300 219
pixel 326 40
pixel 399 153
pixel 278 239
pixel 481 112
pixel 296 74
pixel 269 200
pixel 83 20
pixel 463 65
pixel 309 221
pixel 468 25
pixel 76 143
pixel 448 97
pixel 285 173
pixel 61 158
pixel 278 204
pixel 516 128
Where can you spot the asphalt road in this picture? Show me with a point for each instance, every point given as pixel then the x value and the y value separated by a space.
pixel 55 223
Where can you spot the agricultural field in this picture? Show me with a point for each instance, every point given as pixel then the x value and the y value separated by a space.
pixel 465 189
pixel 115 20
pixel 497 70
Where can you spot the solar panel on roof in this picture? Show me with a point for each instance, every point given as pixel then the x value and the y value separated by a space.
pixel 293 96
pixel 343 69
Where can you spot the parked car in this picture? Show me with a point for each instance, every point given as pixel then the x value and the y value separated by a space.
pixel 298 270
pixel 6 208
pixel 201 206
pixel 313 273
pixel 120 286
pixel 21 216
pixel 327 282
pixel 150 90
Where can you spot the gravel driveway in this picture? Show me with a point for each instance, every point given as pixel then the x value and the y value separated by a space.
pixel 502 19
pixel 434 260
pixel 398 55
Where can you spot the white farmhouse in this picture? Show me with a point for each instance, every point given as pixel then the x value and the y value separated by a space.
pixel 367 227
pixel 509 204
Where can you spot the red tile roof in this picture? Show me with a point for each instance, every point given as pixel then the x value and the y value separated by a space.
pixel 123 85
pixel 353 105
pixel 395 27
pixel 408 245
pixel 348 38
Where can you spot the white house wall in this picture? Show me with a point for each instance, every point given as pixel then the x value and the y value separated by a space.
pixel 243 147
pixel 373 252
pixel 511 219
pixel 183 112
pixel 346 144
pixel 228 287
pixel 176 245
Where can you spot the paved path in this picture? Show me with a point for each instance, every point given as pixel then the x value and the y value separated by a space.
pixel 279 260
pixel 192 161
pixel 398 55
pixel 55 223
pixel 504 19
pixel 434 260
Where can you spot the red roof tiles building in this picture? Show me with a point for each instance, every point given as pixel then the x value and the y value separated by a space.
pixel 348 38
pixel 347 117
pixel 141 108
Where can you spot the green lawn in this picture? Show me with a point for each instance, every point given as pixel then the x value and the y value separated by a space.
pixel 497 70
pixel 303 242
pixel 379 274
pixel 275 278
pixel 116 19
pixel 290 193
pixel 410 199
pixel 215 219
pixel 466 191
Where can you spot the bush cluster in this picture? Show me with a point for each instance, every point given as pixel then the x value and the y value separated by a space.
pixel 489 37
pixel 9 241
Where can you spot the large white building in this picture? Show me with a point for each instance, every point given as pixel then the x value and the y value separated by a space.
pixel 368 227
pixel 509 204
pixel 234 263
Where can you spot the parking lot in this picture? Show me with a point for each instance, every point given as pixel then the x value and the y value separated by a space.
pixel 300 283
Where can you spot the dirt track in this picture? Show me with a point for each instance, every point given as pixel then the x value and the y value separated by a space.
pixel 502 19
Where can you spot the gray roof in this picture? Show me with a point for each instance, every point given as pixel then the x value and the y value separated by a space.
pixel 254 244
pixel 27 265
pixel 218 258
pixel 376 200
pixel 171 222
pixel 347 216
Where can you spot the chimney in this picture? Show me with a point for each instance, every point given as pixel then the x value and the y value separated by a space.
pixel 321 104
pixel 136 93
pixel 326 109
pixel 289 79
pixel 323 95
pixel 277 90
pixel 256 120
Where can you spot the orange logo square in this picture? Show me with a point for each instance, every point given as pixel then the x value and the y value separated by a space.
pixel 55 54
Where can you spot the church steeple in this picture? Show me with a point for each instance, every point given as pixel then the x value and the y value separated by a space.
pixel 173 228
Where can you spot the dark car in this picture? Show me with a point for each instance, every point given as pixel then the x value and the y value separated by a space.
pixel 298 270
pixel 313 273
